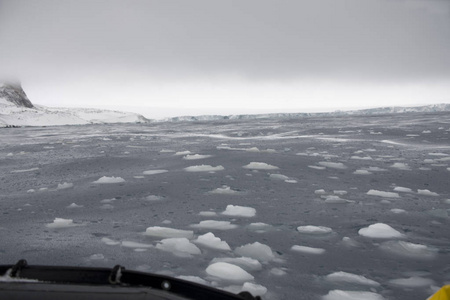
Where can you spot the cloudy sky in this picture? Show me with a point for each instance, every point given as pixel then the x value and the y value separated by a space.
pixel 167 58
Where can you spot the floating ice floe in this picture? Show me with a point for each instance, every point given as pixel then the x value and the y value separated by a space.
pixel 166 151
pixel 317 167
pixel 344 277
pixel 204 168
pixel 351 295
pixel 228 272
pixel 180 153
pixel 252 288
pixel 398 211
pixel 381 231
pixel 361 157
pixel 246 263
pixel 307 250
pixel 178 246
pixel 213 224
pixel 112 179
pixel 333 199
pixel 315 230
pixel 407 249
pixel 333 165
pixel 260 166
pixel 278 177
pixel 110 242
pixel 277 272
pixel 239 211
pixel 362 172
pixel 166 232
pixel 412 282
pixel 65 185
pixel 154 172
pixel 224 190
pixel 26 170
pixel 74 205
pixel 259 226
pixel 401 166
pixel 207 213
pixel 211 241
pixel 402 189
pixel 427 193
pixel 62 223
pixel 383 194
pixel 258 251
pixel 196 156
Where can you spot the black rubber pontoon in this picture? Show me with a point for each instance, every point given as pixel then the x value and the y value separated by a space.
pixel 22 281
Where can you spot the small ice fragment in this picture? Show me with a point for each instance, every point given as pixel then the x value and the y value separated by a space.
pixel 211 241
pixel 427 193
pixel 362 172
pixel 178 246
pixel 26 170
pixel 207 213
pixel 74 205
pixel 196 156
pixel 402 189
pixel 65 185
pixel 239 211
pixel 109 241
pixel 260 166
pixel 62 223
pixel 310 229
pixel 332 165
pixel 317 167
pixel 166 232
pixel 257 251
pixel 228 272
pixel 213 224
pixel 320 192
pixel 259 226
pixel 278 177
pixel 383 194
pixel 154 172
pixel 344 277
pixel 180 153
pixel 154 198
pixel 277 272
pixel 204 168
pixel 31 191
pixel 307 250
pixel 401 166
pixel 112 179
pixel 224 190
pixel 380 231
pixel 97 256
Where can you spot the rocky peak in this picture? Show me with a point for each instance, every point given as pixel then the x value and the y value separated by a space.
pixel 13 92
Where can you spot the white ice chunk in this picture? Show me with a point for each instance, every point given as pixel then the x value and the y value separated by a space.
pixel 277 272
pixel 65 185
pixel 254 289
pixel 213 224
pixel 178 246
pixel 380 231
pixel 207 213
pixel 317 167
pixel 402 189
pixel 320 192
pixel 224 190
pixel 180 153
pixel 362 172
pixel 344 277
pixel 351 295
pixel 398 210
pixel 228 272
pixel 62 223
pixel 307 250
pixel 361 157
pixel 109 241
pixel 383 194
pixel 211 241
pixel 333 165
pixel 154 172
pixel 427 193
pixel 407 249
pixel 26 170
pixel 401 166
pixel 311 229
pixel 246 263
pixel 259 226
pixel 278 177
pixel 166 232
pixel 154 198
pixel 239 211
pixel 112 179
pixel 74 205
pixel 204 168
pixel 257 251
pixel 412 282
pixel 196 156
pixel 332 199
pixel 259 166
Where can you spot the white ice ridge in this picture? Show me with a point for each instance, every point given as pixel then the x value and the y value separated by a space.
pixel 166 232
pixel 380 231
pixel 260 166
pixel 412 282
pixel 407 249
pixel 310 229
pixel 112 179
pixel 204 168
pixel 154 172
pixel 333 165
pixel 239 211
pixel 196 156
pixel 65 185
pixel 307 250
pixel 258 251
pixel 62 223
pixel 211 241
pixel 224 190
pixel 228 272
pixel 383 194
pixel 246 263
pixel 213 224
pixel 178 246
pixel 344 277
pixel 351 295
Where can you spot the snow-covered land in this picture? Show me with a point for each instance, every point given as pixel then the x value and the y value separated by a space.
pixel 348 207
pixel 17 110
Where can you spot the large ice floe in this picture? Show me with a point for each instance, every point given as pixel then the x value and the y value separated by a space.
pixel 228 272
pixel 239 211
pixel 211 241
pixel 178 246
pixel 258 251
pixel 380 231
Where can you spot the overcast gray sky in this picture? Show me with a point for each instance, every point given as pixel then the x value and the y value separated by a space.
pixel 218 57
